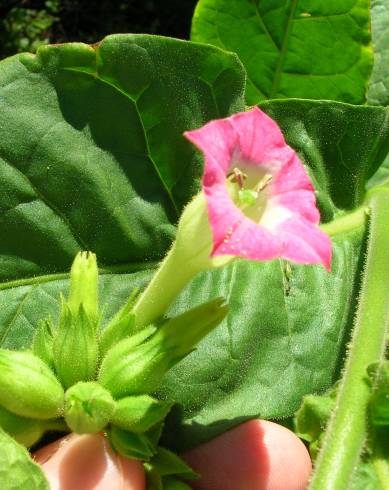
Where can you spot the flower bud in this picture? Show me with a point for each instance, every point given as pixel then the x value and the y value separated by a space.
pixel 42 344
pixel 139 413
pixel 25 431
pixel 83 285
pixel 75 347
pixel 179 335
pixel 134 370
pixel 88 407
pixel 28 387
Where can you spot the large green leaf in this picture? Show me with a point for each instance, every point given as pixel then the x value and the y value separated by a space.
pixel 288 325
pixel 91 148
pixel 379 82
pixel 293 48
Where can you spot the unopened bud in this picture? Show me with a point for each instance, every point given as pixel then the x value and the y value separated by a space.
pixel 28 387
pixel 24 430
pixel 83 285
pixel 139 413
pixel 179 335
pixel 134 370
pixel 75 347
pixel 88 407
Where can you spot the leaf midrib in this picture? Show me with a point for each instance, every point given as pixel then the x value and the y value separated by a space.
pixel 133 100
pixel 129 268
pixel 284 47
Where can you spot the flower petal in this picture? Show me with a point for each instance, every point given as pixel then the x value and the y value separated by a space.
pixel 287 226
pixel 260 139
pixel 305 243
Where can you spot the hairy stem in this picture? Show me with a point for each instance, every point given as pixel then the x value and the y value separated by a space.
pixel 346 431
pixel 348 222
pixel 172 276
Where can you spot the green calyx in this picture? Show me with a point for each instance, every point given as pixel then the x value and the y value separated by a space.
pixel 88 407
pixel 129 369
pixel 139 413
pixel 82 379
pixel 28 387
pixel 75 347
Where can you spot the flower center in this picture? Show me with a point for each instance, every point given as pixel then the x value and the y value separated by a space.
pixel 248 187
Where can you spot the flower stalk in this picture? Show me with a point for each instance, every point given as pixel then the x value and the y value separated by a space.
pixel 347 428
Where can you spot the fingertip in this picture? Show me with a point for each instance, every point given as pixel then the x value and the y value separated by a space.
pixel 257 455
pixel 87 462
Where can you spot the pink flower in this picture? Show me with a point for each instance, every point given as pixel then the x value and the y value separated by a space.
pixel 261 202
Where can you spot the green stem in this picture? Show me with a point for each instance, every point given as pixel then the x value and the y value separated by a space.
pixel 348 222
pixel 346 431
pixel 171 277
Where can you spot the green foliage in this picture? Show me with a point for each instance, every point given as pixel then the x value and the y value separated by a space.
pixel 379 82
pixel 26 25
pixel 307 49
pixel 312 417
pixel 61 160
pixel 17 470
pixel 282 313
pixel 25 29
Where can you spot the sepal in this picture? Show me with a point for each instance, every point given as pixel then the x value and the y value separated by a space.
pixel 88 407
pixel 28 387
pixel 25 431
pixel 130 445
pixel 42 344
pixel 139 413
pixel 75 347
pixel 122 325
pixel 135 370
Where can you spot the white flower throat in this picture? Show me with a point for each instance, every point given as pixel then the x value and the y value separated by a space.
pixel 248 188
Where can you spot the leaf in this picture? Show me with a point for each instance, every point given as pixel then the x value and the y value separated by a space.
pixel 168 463
pixel 130 445
pixel 379 83
pixel 379 402
pixel 17 470
pixel 288 324
pixel 92 155
pixel 307 49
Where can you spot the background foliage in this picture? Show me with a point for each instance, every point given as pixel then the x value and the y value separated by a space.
pixel 25 24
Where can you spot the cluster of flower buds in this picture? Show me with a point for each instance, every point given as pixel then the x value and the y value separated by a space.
pixel 79 378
